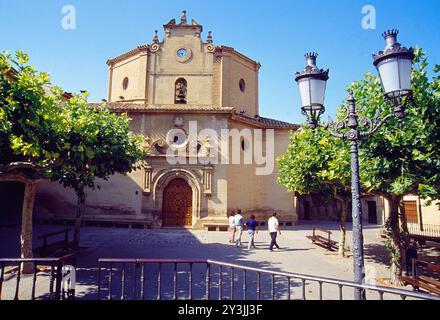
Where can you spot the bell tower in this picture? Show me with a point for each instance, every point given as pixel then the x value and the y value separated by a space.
pixel 181 65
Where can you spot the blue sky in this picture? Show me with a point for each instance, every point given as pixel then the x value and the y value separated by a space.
pixel 276 33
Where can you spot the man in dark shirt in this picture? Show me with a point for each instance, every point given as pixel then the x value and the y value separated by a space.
pixel 252 227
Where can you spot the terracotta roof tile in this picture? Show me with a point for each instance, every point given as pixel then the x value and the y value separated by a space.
pixel 266 122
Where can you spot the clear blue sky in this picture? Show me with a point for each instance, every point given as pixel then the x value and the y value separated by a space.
pixel 276 33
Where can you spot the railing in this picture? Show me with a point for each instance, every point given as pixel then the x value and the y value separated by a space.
pixel 41 268
pixel 425 230
pixel 150 279
pixel 63 244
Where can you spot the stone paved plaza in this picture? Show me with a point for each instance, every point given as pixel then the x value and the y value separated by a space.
pixel 297 254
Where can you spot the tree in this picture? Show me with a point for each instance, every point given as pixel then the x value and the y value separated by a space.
pixel 317 163
pixel 46 134
pixel 397 161
pixel 394 161
pixel 30 132
pixel 100 145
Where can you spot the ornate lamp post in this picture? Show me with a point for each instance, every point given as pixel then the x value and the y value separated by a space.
pixel 394 65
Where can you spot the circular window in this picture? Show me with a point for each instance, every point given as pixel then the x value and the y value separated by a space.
pixel 242 85
pixel 181 53
pixel 125 83
pixel 177 138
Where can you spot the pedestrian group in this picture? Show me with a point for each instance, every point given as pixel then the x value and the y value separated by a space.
pixel 237 225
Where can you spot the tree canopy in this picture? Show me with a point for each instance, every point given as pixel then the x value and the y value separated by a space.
pixel 41 127
pixel 31 130
pixel 403 160
pixel 99 144
pixel 315 162
pixel 47 134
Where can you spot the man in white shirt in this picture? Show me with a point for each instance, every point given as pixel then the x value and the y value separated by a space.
pixel 239 222
pixel 274 230
pixel 232 227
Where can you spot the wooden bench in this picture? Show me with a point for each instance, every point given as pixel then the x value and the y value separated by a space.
pixel 57 248
pixel 325 242
pixel 428 284
pixel 216 226
pixel 423 239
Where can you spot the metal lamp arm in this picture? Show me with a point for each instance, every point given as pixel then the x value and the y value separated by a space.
pixel 375 125
pixel 333 128
pixel 329 128
pixel 352 121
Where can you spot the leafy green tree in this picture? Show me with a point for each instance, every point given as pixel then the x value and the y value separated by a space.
pixel 30 132
pixel 46 135
pixel 100 145
pixel 317 163
pixel 397 161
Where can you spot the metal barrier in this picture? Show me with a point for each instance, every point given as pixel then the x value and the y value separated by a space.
pixel 212 278
pixel 425 230
pixel 55 290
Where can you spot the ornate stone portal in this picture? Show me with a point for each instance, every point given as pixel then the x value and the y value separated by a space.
pixel 176 197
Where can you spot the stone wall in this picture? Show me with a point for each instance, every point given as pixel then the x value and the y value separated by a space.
pixel 235 68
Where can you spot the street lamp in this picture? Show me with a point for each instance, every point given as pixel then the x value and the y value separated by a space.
pixel 394 65
pixel 312 83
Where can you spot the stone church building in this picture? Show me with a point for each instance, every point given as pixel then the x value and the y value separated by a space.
pixel 164 87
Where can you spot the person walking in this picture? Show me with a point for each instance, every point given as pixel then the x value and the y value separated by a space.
pixel 252 227
pixel 274 230
pixel 232 227
pixel 239 222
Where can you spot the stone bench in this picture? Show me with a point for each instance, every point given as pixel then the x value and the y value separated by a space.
pixel 98 222
pixel 216 226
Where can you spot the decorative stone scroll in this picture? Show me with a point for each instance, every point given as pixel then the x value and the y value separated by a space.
pixel 154 47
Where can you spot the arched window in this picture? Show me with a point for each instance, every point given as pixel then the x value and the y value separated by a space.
pixel 181 91
pixel 125 83
pixel 242 85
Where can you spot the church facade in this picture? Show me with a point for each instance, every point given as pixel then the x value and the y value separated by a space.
pixel 210 151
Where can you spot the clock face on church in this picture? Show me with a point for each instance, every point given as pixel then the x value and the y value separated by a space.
pixel 181 53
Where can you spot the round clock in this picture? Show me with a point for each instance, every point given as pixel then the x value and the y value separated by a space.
pixel 183 55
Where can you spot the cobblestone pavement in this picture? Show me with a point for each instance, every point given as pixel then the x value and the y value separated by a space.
pixel 297 255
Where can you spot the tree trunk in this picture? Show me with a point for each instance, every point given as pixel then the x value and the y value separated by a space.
pixel 342 228
pixel 81 201
pixel 395 245
pixel 26 225
pixel 404 235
